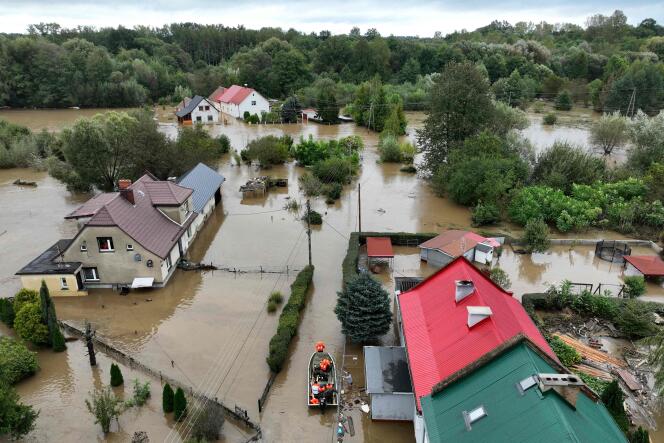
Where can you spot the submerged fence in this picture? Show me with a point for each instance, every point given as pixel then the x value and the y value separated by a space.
pixel 259 269
pixel 237 413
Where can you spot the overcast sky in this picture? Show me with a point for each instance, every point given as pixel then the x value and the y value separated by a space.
pixel 399 17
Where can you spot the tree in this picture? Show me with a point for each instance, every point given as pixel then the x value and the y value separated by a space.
pixel 613 398
pixel 500 277
pixel 179 405
pixel 609 132
pixel 104 406
pixel 25 296
pixel 28 324
pixel 209 423
pixel 460 107
pixel 639 436
pixel 16 419
pixel 327 106
pixel 536 236
pixel 389 150
pixel 167 398
pixel 56 339
pixel 563 101
pixel 290 110
pixel 269 150
pixel 647 137
pixel 635 286
pixel 645 81
pixel 563 164
pixel 7 313
pixel 16 361
pixel 363 308
pixel 116 375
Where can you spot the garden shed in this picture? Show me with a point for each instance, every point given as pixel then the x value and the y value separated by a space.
pixel 650 266
pixel 379 248
pixel 388 383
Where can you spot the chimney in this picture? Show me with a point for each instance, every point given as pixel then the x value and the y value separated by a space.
pixel 124 185
pixel 464 288
pixel 565 385
pixel 478 313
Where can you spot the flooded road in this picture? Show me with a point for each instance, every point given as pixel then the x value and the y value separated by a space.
pixel 211 330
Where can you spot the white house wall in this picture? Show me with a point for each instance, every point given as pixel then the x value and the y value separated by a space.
pixel 204 115
pixel 247 105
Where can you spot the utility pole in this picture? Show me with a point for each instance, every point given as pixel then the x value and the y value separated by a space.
pixel 359 207
pixel 309 227
pixel 632 104
pixel 89 334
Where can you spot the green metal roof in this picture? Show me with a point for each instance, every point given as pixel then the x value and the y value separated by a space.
pixel 513 416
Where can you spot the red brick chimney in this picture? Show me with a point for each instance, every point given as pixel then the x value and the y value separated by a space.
pixel 125 190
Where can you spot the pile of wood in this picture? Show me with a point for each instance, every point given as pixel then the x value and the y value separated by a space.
pixel 590 353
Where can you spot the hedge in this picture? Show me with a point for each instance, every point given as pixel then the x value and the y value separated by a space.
pixel 16 361
pixel 289 320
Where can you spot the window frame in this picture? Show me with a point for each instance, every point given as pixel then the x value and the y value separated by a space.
pixel 209 118
pixel 169 262
pixel 130 247
pixel 199 118
pixel 253 103
pixel 110 243
pixel 200 108
pixel 94 271
pixel 64 285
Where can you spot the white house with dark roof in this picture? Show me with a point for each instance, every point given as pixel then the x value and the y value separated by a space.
pixel 197 110
pixel 130 238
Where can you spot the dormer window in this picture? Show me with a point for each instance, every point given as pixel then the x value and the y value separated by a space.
pixel 477 314
pixel 472 416
pixel 464 288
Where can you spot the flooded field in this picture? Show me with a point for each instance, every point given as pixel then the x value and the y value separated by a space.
pixel 211 330
pixel 53 120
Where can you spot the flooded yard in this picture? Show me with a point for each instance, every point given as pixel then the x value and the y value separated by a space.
pixel 210 330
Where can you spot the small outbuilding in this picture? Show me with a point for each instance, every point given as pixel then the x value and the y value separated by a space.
pixel 388 383
pixel 447 246
pixel 379 248
pixel 649 266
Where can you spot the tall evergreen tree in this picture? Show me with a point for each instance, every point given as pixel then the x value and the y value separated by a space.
pixel 116 375
pixel 327 106
pixel 363 308
pixel 613 400
pixel 179 405
pixel 167 398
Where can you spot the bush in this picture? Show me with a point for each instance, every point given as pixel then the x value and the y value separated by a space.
pixel 562 164
pixel 485 214
pixel 314 218
pixel 334 170
pixel 28 324
pixel 408 151
pixel 7 313
pixel 389 150
pixel 141 394
pixel 167 396
pixel 16 361
pixel 272 306
pixel 105 406
pixel 536 236
pixel 25 296
pixel 289 319
pixel 179 405
pixel 223 144
pixel 268 151
pixel 16 419
pixel 116 375
pixel 277 297
pixel 550 119
pixel 364 309
pixel 207 427
pixel 567 355
pixel 635 320
pixel 563 101
pixel 538 107
pixel 332 191
pixel 310 185
pixel 594 383
pixel 500 277
pixel 635 286
pixel 246 115
pixel 640 435
pixel 613 398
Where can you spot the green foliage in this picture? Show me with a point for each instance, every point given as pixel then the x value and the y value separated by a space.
pixel 609 132
pixel 563 164
pixel 309 152
pixel 56 339
pixel 563 101
pixel 167 398
pixel 550 118
pixel 141 393
pixel 613 398
pixel 372 108
pixel 500 277
pixel 567 355
pixel 272 306
pixel 16 361
pixel 647 137
pixel 596 384
pixel 639 435
pixel 269 150
pixel 7 313
pixel 635 320
pixel 116 375
pixel 328 108
pixel 277 297
pixel 389 149
pixel 643 78
pixel 332 191
pixel 363 308
pixel 25 296
pixel 485 214
pixel 290 110
pixel 207 427
pixel 310 185
pixel 335 170
pixel 179 405
pixel 16 419
pixel 635 286
pixel 536 235
pixel 28 324
pixel 314 217
pixel 289 319
pixel 104 406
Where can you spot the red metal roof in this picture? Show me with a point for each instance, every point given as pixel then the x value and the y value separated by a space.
pixel 216 95
pixel 379 247
pixel 649 265
pixel 455 242
pixel 235 94
pixel 438 340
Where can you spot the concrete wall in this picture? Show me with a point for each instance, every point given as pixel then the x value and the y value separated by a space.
pixel 118 267
pixel 392 406
pixel 54 284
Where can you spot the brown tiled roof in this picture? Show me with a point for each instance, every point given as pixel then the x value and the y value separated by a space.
pixel 144 223
pixel 164 193
pixel 453 242
pixel 90 208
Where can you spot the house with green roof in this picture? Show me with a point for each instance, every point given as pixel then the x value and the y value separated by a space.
pixel 516 393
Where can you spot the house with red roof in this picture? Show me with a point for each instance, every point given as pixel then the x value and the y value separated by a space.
pixel 237 100
pixel 454 243
pixel 130 238
pixel 452 319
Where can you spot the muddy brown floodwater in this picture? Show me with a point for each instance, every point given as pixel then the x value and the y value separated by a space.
pixel 211 329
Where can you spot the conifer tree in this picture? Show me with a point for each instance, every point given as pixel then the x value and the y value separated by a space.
pixel 179 405
pixel 612 397
pixel 363 308
pixel 167 398
pixel 116 375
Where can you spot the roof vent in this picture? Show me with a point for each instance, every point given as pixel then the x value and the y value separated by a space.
pixel 464 288
pixel 566 385
pixel 478 313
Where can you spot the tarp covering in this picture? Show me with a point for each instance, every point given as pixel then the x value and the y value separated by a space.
pixel 142 282
pixel 379 247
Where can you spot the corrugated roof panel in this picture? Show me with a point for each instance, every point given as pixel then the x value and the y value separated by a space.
pixel 204 181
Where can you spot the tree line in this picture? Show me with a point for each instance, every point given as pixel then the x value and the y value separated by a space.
pixel 606 64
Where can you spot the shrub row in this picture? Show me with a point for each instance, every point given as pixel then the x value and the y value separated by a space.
pixel 289 320
pixel 16 361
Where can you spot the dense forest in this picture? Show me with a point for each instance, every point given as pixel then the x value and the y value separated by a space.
pixel 609 64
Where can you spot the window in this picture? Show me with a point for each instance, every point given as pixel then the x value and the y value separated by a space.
pixel 253 103
pixel 105 244
pixel 130 247
pixel 199 118
pixel 473 415
pixel 169 262
pixel 209 118
pixel 207 108
pixel 63 283
pixel 84 246
pixel 200 108
pixel 90 274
